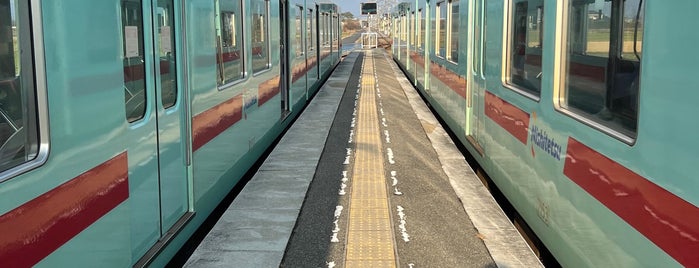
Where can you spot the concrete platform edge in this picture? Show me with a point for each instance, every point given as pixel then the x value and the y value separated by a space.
pixel 506 246
pixel 245 234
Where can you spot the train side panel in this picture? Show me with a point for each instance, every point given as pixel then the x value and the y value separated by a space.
pixel 118 179
pixel 545 160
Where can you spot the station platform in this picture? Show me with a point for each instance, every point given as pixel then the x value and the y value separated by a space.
pixel 366 177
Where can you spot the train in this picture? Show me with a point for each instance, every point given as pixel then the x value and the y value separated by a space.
pixel 581 112
pixel 124 123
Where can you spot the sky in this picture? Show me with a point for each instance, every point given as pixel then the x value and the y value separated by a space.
pixel 350 5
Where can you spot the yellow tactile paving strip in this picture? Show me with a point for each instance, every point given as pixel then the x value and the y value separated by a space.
pixel 370 237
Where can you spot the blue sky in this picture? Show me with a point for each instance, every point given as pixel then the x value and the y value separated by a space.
pixel 350 5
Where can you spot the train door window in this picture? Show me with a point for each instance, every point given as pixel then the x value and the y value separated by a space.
pixel 310 37
pixel 134 67
pixel 326 24
pixel 601 59
pixel 412 30
pixel 477 37
pixel 396 26
pixel 453 32
pixel 441 38
pixel 420 29
pixel 298 35
pixel 524 50
pixel 405 29
pixel 230 61
pixel 260 35
pixel 168 62
pixel 321 29
pixel 333 32
pixel 327 29
pixel 19 122
pixel 402 27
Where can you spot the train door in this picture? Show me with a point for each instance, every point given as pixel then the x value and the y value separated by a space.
pixel 476 84
pixel 299 88
pixel 156 112
pixel 171 111
pixel 284 51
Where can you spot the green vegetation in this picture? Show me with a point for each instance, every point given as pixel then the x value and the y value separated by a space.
pixel 347 15
pixel 598 35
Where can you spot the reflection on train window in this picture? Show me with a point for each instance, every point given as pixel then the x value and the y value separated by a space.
pixel 168 63
pixel 260 36
pixel 441 38
pixel 602 62
pixel 398 29
pixel 298 32
pixel 323 30
pixel 412 30
pixel 525 46
pixel 229 44
pixel 310 37
pixel 331 30
pixel 134 66
pixel 477 38
pixel 404 29
pixel 18 111
pixel 421 29
pixel 453 33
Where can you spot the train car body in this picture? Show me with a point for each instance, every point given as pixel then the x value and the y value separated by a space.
pixel 581 112
pixel 125 122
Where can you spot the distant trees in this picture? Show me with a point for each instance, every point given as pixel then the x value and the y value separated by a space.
pixel 351 25
pixel 347 16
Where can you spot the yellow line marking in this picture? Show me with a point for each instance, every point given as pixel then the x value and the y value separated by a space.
pixel 370 236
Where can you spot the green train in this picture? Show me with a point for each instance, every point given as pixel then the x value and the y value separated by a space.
pixel 123 123
pixel 582 113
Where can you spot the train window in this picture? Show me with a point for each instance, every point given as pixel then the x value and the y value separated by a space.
pixel 412 30
pixel 260 35
pixel 477 36
pixel 396 27
pixel 19 141
pixel 134 67
pixel 420 28
pixel 331 30
pixel 602 64
pixel 298 35
pixel 168 62
pixel 321 29
pixel 453 37
pixel 402 29
pixel 310 37
pixel 230 60
pixel 326 26
pixel 524 53
pixel 441 40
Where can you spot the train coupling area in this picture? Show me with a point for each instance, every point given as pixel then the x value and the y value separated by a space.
pixel 366 177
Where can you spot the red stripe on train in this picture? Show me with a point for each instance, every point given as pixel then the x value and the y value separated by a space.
pixel 266 90
pixel 451 79
pixel 270 88
pixel 508 116
pixel 210 123
pixel 664 218
pixel 37 228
